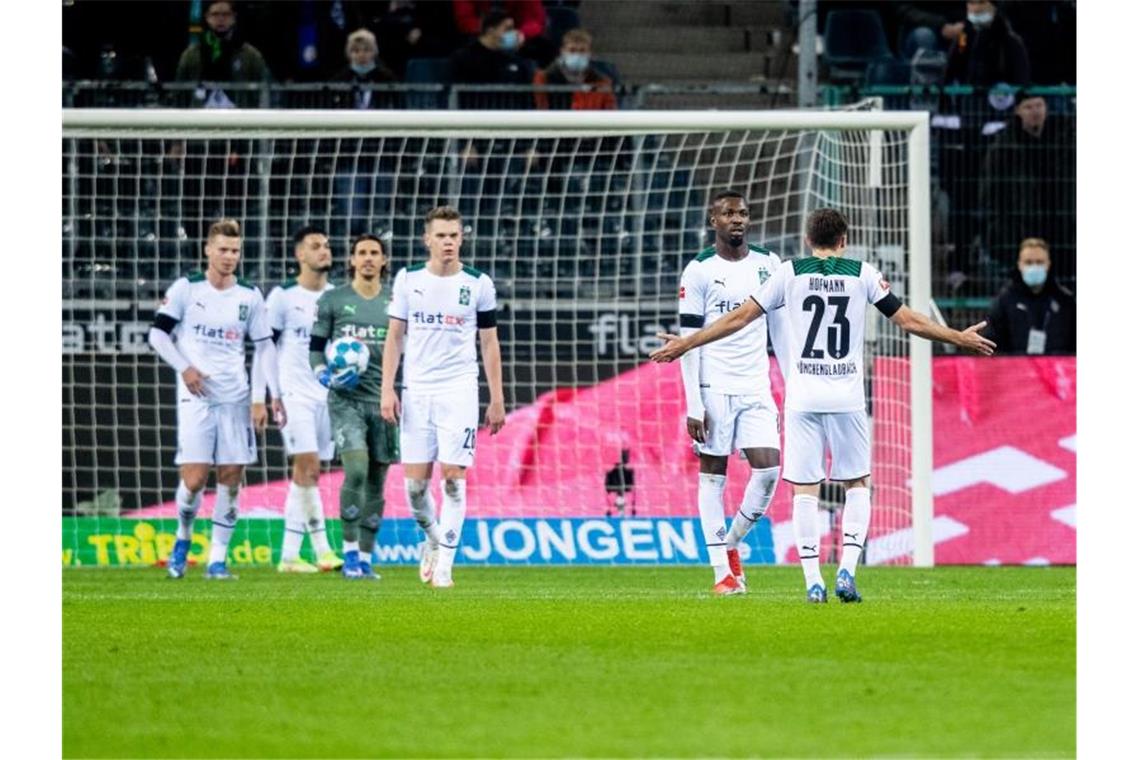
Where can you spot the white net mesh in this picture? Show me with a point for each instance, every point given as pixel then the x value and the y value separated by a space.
pixel 585 236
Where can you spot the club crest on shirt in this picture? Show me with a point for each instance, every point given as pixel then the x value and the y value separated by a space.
pixel 243 312
pixel 764 275
pixel 464 296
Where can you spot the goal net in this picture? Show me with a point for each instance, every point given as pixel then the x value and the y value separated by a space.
pixel 583 220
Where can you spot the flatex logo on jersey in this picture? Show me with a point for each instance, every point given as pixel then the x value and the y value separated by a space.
pixel 217 336
pixel 361 332
pixel 438 320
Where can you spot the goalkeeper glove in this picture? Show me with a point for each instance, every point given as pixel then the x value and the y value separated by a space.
pixel 346 380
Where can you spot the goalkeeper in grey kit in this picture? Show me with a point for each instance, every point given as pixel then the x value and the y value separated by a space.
pixel 366 444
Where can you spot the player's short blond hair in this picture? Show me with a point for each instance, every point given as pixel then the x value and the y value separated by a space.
pixel 364 36
pixel 580 36
pixel 1033 242
pixel 443 213
pixel 225 228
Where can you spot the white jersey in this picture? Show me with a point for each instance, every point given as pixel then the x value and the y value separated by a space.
pixel 291 310
pixel 712 286
pixel 212 327
pixel 825 303
pixel 443 315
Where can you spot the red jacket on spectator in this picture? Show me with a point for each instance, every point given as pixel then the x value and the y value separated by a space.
pixel 529 15
pixel 597 95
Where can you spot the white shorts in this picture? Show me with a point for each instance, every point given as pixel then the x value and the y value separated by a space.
pixel 808 436
pixel 214 433
pixel 739 422
pixel 439 426
pixel 307 427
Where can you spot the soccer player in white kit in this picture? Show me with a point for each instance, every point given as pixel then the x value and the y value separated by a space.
pixel 200 330
pixel 437 308
pixel 728 395
pixel 826 297
pixel 292 308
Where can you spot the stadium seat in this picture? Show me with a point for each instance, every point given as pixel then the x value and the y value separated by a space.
pixel 428 71
pixel 607 68
pixel 887 72
pixel 852 40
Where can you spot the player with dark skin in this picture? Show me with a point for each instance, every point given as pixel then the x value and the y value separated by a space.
pixel 729 219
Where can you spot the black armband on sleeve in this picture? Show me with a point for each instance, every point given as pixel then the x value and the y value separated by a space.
pixel 317 343
pixel 277 335
pixel 165 322
pixel 692 320
pixel 888 305
pixel 484 319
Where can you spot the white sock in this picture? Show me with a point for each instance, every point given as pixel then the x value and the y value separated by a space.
pixel 856 521
pixel 710 505
pixel 351 546
pixel 805 523
pixel 188 503
pixel 225 518
pixel 313 512
pixel 422 505
pixel 757 496
pixel 294 525
pixel 451 522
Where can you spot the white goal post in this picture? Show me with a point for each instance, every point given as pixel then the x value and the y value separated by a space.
pixel 862 155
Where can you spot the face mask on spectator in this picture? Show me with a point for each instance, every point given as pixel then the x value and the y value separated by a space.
pixel 980 19
pixel 362 68
pixel 509 40
pixel 1034 275
pixel 576 62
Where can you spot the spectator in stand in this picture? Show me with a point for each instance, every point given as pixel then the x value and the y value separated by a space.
pixel 490 59
pixel 530 22
pixel 1033 314
pixel 424 29
pixel 364 69
pixel 1029 182
pixel 222 56
pixel 988 51
pixel 573 68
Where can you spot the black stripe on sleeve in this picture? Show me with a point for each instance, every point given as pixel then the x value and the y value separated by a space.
pixel 888 305
pixel 484 319
pixel 692 320
pixel 317 343
pixel 165 322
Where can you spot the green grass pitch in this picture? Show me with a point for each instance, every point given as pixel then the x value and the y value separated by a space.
pixel 526 662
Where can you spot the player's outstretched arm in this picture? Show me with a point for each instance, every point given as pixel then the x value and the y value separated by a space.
pixel 735 320
pixel 393 347
pixel 493 366
pixel 969 339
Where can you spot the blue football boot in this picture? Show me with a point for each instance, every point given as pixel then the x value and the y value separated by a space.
pixel 176 564
pixel 217 571
pixel 817 594
pixel 351 567
pixel 845 588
